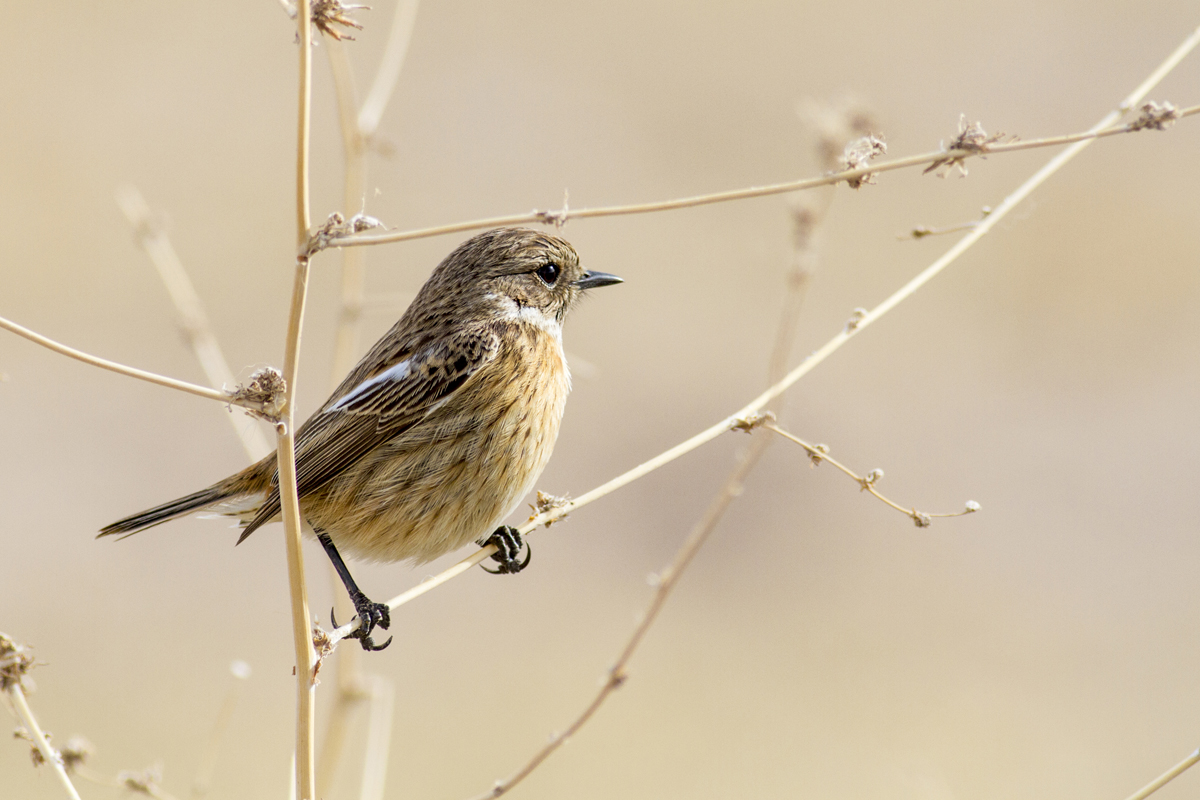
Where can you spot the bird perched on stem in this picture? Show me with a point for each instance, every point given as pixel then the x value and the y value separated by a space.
pixel 440 430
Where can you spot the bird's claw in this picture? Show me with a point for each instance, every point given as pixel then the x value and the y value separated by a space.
pixel 370 614
pixel 508 541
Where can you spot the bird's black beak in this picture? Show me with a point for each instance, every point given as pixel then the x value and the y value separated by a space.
pixel 592 280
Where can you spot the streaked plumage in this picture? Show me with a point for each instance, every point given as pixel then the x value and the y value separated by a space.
pixel 441 429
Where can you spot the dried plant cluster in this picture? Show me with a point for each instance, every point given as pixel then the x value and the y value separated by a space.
pixel 851 149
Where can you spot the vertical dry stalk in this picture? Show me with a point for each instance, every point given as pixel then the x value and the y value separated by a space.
pixel 122 369
pixel 306 660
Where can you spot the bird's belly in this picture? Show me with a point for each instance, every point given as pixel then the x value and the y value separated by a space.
pixel 423 495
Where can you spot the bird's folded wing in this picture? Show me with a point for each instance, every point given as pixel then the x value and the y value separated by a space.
pixel 379 408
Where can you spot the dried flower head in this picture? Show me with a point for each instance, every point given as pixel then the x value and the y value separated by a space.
pixel 35 755
pixel 836 123
pixel 859 154
pixel 751 421
pixel 76 751
pixel 871 477
pixel 972 139
pixel 15 662
pixel 546 503
pixel 1155 116
pixel 147 782
pixel 327 13
pixel 265 391
pixel 817 453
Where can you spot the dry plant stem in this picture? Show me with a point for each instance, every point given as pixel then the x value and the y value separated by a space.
pixel 863 483
pixel 1168 776
pixel 830 347
pixel 563 216
pixel 121 369
pixel 16 697
pixel 192 319
pixel 306 661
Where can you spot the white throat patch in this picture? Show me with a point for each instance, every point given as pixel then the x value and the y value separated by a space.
pixel 530 315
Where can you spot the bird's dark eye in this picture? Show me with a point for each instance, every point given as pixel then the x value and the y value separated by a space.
pixel 548 273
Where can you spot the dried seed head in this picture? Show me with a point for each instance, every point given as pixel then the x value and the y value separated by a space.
pixel 547 502
pixel 973 139
pixel 751 421
pixel 327 13
pixel 859 154
pixel 76 751
pixel 266 390
pixel 835 124
pixel 15 662
pixel 1155 116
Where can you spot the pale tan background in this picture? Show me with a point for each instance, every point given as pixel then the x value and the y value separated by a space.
pixel 821 646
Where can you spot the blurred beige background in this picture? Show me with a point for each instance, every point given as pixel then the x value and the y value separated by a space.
pixel 821 645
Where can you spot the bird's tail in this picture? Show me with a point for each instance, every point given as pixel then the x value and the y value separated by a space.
pixel 227 490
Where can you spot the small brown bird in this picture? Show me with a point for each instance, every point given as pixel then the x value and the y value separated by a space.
pixel 440 430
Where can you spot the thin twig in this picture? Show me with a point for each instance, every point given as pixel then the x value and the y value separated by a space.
pixel 24 713
pixel 561 216
pixel 192 320
pixel 923 231
pixel 1168 776
pixel 858 323
pixel 819 453
pixel 132 372
pixel 306 660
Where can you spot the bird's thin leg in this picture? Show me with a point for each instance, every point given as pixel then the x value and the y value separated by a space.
pixel 508 541
pixel 369 612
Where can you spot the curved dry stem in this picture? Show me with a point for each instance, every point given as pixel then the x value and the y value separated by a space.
pixel 562 216
pixel 306 660
pixel 132 372
pixel 819 453
pixel 1168 776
